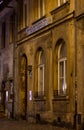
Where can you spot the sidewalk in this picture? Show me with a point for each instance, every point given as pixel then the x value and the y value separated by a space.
pixel 6 124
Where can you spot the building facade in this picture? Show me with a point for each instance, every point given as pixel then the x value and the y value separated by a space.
pixel 41 54
pixel 7 23
pixel 45 61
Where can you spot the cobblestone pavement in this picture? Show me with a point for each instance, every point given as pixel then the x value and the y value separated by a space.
pixel 6 124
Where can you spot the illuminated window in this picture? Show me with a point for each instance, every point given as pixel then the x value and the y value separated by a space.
pixel 62 69
pixel 6 96
pixel 41 8
pixel 60 2
pixel 30 95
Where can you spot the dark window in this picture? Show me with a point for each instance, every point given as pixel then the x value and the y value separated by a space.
pixel 3 35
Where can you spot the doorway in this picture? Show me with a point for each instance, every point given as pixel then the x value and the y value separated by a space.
pixel 3 97
pixel 23 87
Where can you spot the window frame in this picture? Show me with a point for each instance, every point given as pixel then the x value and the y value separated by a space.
pixel 3 44
pixel 41 8
pixel 11 30
pixel 63 60
pixel 25 13
pixel 40 68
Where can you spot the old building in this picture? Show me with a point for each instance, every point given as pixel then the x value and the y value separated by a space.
pixel 45 61
pixel 41 54
pixel 7 23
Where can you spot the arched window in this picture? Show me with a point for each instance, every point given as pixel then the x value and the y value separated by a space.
pixel 62 69
pixel 39 75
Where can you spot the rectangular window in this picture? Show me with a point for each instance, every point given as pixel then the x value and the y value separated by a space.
pixel 20 16
pixel 60 2
pixel 6 96
pixel 41 8
pixel 25 13
pixel 62 77
pixel 11 30
pixel 11 91
pixel 3 35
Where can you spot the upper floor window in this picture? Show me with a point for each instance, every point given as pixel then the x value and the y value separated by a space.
pixel 3 35
pixel 62 69
pixel 11 29
pixel 25 13
pixel 22 14
pixel 41 8
pixel 60 2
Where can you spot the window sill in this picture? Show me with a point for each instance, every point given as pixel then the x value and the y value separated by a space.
pixel 40 99
pixel 60 97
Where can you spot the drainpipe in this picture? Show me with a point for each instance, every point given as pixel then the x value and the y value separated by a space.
pixel 14 58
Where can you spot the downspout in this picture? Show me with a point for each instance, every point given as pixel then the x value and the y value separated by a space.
pixel 14 59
